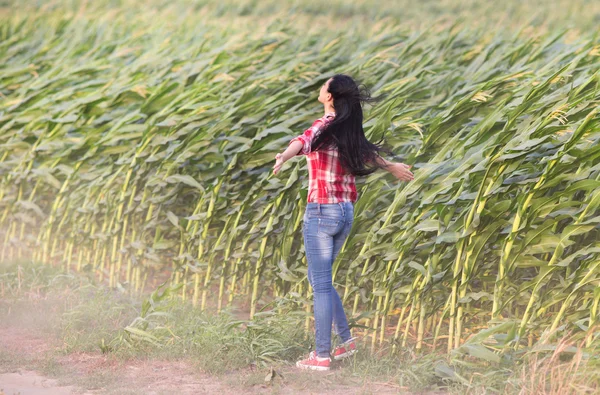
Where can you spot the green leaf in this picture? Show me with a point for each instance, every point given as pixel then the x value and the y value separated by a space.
pixel 480 351
pixel 186 179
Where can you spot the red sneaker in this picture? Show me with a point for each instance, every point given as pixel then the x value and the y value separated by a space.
pixel 344 350
pixel 313 362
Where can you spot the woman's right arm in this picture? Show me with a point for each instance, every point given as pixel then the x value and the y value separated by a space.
pixel 306 138
pixel 399 170
pixel 292 150
pixel 299 145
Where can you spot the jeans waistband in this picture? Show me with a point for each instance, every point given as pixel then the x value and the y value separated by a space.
pixel 320 205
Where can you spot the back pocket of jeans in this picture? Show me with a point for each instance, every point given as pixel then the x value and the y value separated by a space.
pixel 328 226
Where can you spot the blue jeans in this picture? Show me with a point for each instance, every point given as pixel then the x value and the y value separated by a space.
pixel 325 228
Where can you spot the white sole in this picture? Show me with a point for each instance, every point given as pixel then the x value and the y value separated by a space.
pixel 344 355
pixel 299 365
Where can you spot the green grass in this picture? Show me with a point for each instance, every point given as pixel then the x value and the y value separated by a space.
pixel 241 352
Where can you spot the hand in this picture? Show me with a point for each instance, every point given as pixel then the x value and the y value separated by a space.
pixel 278 163
pixel 401 172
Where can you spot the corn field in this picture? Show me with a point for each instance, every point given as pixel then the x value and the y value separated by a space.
pixel 140 139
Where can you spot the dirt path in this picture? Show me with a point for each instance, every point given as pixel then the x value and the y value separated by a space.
pixel 40 352
pixel 17 346
pixel 24 352
pixel 28 358
pixel 29 382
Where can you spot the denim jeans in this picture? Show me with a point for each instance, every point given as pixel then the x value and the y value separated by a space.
pixel 325 228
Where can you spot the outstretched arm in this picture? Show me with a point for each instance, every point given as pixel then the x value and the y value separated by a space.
pixel 385 164
pixel 300 145
pixel 399 170
pixel 294 148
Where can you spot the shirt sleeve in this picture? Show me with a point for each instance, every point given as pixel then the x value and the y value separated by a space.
pixel 309 134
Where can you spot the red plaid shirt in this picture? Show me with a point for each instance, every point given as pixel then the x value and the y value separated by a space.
pixel 328 180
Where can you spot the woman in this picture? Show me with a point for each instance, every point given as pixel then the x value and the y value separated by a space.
pixel 337 150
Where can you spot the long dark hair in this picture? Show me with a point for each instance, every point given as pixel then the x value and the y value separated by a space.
pixel 345 132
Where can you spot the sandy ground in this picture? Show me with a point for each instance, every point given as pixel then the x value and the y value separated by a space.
pixel 27 348
pixel 35 359
pixel 23 381
pixel 29 382
pixel 25 352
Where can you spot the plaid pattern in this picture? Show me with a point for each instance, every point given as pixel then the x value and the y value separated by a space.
pixel 328 181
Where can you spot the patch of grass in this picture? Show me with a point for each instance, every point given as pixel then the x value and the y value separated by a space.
pixel 241 352
pixel 92 314
pixel 10 361
pixel 218 343
pixel 405 370
pixel 99 379
pixel 29 278
pixel 50 366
